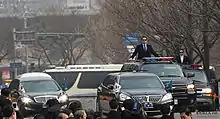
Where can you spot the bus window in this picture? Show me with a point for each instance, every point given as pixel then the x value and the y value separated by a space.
pixel 92 79
pixel 65 79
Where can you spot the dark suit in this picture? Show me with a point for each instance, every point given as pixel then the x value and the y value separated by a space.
pixel 186 60
pixel 165 117
pixel 141 52
pixel 130 115
pixel 114 115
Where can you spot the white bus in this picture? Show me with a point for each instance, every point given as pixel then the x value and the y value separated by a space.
pixel 81 81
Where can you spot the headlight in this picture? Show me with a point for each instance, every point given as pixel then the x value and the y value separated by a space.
pixel 206 90
pixel 167 97
pixel 190 86
pixel 26 100
pixel 124 97
pixel 63 98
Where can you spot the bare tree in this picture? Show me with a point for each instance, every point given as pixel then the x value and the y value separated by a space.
pixel 178 23
pixel 105 42
pixel 3 51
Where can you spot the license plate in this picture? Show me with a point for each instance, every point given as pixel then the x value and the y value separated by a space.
pixel 175 101
pixel 149 105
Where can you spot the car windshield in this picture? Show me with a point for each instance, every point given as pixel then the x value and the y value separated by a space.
pixel 199 75
pixel 140 82
pixel 40 86
pixel 164 70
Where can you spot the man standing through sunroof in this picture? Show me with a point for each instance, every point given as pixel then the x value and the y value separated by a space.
pixel 143 50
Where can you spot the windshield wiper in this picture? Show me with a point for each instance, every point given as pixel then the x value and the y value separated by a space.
pixel 170 76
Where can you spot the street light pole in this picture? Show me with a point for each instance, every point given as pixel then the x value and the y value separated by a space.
pixel 14 39
pixel 26 46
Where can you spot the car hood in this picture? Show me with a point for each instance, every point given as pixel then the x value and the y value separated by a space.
pixel 149 91
pixel 199 84
pixel 45 93
pixel 176 80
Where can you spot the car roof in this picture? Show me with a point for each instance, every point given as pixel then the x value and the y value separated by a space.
pixel 133 74
pixel 86 68
pixel 34 76
pixel 144 63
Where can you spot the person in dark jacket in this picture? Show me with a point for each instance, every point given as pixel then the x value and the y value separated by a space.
pixel 128 112
pixel 144 50
pixel 186 114
pixel 90 113
pixel 53 109
pixel 75 105
pixel 114 114
pixel 8 112
pixel 165 110
pixel 182 58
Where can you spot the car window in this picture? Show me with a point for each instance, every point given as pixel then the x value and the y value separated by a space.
pixel 92 79
pixel 199 75
pixel 109 80
pixel 40 86
pixel 163 70
pixel 139 82
pixel 65 79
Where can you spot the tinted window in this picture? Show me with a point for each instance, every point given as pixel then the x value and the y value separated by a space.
pixel 199 75
pixel 164 69
pixel 139 82
pixel 40 86
pixel 92 79
pixel 65 79
pixel 109 80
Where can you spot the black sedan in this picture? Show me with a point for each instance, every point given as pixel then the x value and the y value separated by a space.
pixel 146 89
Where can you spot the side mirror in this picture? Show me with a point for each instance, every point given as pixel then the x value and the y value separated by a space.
pixel 190 75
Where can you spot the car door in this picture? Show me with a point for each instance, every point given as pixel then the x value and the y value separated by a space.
pixel 106 93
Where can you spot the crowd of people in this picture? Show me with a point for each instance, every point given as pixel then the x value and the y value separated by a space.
pixel 74 110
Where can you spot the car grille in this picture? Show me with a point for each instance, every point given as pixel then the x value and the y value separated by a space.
pixel 149 98
pixel 44 99
pixel 179 89
pixel 155 98
pixel 141 98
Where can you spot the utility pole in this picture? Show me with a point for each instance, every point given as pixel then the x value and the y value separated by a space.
pixel 15 57
pixel 26 46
